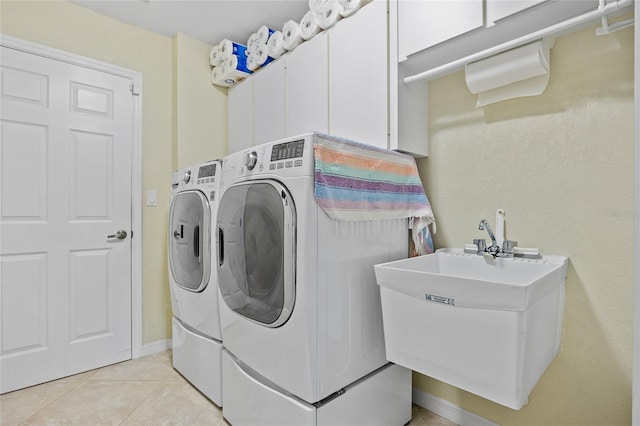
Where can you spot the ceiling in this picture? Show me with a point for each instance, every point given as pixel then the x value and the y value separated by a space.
pixel 207 20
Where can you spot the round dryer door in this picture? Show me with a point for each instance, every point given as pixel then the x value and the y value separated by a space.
pixel 189 240
pixel 256 233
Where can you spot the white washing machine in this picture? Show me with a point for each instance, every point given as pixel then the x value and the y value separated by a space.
pixel 300 307
pixel 197 338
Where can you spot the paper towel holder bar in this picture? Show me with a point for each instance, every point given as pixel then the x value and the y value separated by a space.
pixel 604 9
pixel 608 29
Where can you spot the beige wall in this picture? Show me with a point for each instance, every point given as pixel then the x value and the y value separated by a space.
pixel 168 126
pixel 561 165
pixel 200 108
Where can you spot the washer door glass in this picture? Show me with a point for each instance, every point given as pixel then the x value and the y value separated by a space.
pixel 256 236
pixel 189 240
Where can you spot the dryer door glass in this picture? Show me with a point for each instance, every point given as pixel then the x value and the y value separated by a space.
pixel 189 240
pixel 256 230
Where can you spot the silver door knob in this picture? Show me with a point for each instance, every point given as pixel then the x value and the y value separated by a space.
pixel 120 235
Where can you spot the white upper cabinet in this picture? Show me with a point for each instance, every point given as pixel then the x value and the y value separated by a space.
pixel 240 115
pixel 500 9
pixel 423 24
pixel 358 79
pixel 344 82
pixel 434 33
pixel 307 83
pixel 269 102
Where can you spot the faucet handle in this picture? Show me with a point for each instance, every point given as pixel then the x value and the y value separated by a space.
pixel 508 245
pixel 481 243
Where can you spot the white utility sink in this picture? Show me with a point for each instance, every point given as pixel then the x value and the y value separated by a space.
pixel 489 326
pixel 471 280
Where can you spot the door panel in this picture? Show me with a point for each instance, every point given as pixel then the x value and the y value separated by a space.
pixel 65 171
pixel 89 290
pixel 189 240
pixel 23 170
pixel 257 274
pixel 24 278
pixel 92 167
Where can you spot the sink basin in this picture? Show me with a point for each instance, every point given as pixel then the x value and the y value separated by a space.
pixel 461 279
pixel 488 326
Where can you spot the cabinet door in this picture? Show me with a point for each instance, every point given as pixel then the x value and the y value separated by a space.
pixel 423 24
pixel 268 102
pixel 358 106
pixel 240 111
pixel 307 94
pixel 499 9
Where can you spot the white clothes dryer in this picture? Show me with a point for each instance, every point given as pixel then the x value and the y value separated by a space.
pixel 197 338
pixel 300 307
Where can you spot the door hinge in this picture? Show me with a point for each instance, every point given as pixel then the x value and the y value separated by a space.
pixel 135 90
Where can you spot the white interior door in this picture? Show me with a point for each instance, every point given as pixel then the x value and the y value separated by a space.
pixel 65 181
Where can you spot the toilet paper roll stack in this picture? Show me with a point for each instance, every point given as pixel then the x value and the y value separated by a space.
pixel 233 61
pixel 218 79
pixel 347 7
pixel 257 47
pixel 275 45
pixel 224 50
pixel 264 33
pixel 291 37
pixel 309 25
pixel 327 12
pixel 259 58
pixel 233 69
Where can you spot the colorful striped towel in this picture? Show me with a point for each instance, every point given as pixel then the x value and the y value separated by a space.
pixel 354 181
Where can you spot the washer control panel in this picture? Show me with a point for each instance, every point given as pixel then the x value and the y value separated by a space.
pixel 204 174
pixel 207 173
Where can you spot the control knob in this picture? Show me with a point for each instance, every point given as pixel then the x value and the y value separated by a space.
pixel 251 160
pixel 187 176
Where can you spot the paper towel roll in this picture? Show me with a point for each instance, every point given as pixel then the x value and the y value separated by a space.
pixel 252 43
pixel 523 71
pixel 329 14
pixel 347 7
pixel 309 25
pixel 230 48
pixel 264 33
pixel 318 5
pixel 275 45
pixel 218 78
pixel 291 35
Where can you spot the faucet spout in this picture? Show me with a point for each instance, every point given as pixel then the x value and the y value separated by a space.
pixel 484 225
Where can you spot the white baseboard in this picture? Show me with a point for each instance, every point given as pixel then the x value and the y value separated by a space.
pixel 156 347
pixel 448 410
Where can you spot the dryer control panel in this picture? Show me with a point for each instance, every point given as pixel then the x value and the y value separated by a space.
pixel 285 158
pixel 287 154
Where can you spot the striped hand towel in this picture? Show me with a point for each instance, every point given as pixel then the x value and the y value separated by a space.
pixel 354 181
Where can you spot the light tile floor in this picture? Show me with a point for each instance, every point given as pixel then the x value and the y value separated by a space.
pixel 144 391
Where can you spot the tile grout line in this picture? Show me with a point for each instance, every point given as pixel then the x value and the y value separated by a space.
pixel 161 382
pixel 80 382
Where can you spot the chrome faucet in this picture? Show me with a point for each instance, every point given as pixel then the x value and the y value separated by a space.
pixel 493 249
pixel 484 225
